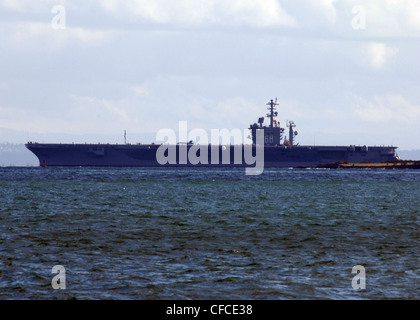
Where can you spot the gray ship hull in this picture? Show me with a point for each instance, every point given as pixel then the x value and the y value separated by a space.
pixel 126 155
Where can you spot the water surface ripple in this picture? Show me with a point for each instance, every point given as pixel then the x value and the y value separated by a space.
pixel 133 233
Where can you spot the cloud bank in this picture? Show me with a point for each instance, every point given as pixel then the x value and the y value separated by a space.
pixel 342 69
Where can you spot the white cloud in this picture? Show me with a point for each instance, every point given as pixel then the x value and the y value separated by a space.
pixel 326 8
pixel 30 6
pixel 378 54
pixel 43 35
pixel 22 5
pixel 390 18
pixel 257 13
pixel 261 13
pixel 140 90
pixel 404 16
pixel 383 19
pixel 387 108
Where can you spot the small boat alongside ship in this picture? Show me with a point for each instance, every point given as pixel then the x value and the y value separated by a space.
pixel 389 165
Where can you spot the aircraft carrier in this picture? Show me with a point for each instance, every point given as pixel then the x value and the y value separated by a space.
pixel 279 150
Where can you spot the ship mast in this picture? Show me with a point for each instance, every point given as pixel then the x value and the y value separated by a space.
pixel 272 109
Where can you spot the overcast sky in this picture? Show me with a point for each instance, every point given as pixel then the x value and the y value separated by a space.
pixel 345 73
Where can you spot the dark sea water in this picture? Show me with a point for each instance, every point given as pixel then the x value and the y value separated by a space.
pixel 135 233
